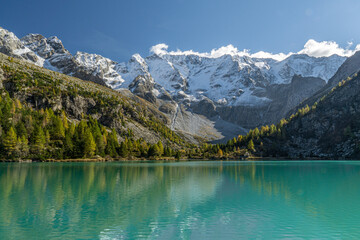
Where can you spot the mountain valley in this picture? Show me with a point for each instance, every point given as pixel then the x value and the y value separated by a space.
pixel 183 99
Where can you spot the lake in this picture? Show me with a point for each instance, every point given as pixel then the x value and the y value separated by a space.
pixel 180 200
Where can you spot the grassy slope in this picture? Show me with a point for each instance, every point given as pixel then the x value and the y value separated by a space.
pixel 42 88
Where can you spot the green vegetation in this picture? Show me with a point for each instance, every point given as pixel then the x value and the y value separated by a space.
pixel 40 118
pixel 268 141
pixel 45 134
pixel 32 93
pixel 34 126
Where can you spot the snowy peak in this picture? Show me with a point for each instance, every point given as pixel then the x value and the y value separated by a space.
pixel 44 47
pixel 226 75
pixel 137 63
pixel 99 66
pixel 229 88
pixel 230 79
pixel 9 40
pixel 37 43
pixel 12 46
pixel 57 45
pixel 92 61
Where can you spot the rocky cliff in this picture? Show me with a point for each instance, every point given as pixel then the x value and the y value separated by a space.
pixel 328 129
pixel 129 115
pixel 216 95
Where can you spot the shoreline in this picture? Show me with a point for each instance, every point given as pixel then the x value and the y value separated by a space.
pixel 172 159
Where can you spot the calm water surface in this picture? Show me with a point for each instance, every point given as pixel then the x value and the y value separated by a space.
pixel 188 200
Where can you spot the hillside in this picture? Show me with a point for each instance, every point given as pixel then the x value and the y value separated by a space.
pixel 213 95
pixel 40 100
pixel 350 67
pixel 329 129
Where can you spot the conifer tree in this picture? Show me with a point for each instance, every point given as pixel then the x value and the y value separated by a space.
pixel 89 144
pixel 154 151
pixel 112 145
pixel 58 130
pixel 64 119
pixel 22 147
pixel 9 142
pixel 123 150
pixel 161 148
pixel 20 129
pixel 68 145
pixel 251 146
pixel 47 137
pixel 177 155
pixel 38 141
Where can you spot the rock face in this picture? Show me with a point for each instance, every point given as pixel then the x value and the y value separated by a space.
pixel 346 70
pixel 119 110
pixel 143 87
pixel 331 130
pixel 284 97
pixel 229 87
pixel 205 107
pixel 13 47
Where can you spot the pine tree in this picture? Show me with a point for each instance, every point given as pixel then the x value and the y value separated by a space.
pixel 46 118
pixel 154 151
pixel 167 152
pixel 9 142
pixel 68 145
pixel 178 155
pixel 113 144
pixel 22 147
pixel 58 130
pixel 20 129
pixel 220 153
pixel 251 146
pixel 64 119
pixel 47 137
pixel 161 148
pixel 38 141
pixel 272 129
pixel 123 150
pixel 89 144
pixel 256 133
pixel 99 139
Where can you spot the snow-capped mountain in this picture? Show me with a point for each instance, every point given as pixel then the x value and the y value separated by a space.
pixel 231 78
pixel 227 79
pixel 219 82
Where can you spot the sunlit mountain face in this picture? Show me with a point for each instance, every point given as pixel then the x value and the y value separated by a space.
pixel 215 95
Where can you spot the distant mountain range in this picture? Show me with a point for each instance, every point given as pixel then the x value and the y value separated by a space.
pixel 214 96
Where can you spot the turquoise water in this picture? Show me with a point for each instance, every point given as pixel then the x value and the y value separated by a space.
pixel 187 200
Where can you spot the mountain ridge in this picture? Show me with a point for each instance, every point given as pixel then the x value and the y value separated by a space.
pixel 227 79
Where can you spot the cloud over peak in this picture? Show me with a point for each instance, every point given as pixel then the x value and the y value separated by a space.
pixel 311 48
pixel 159 49
pixel 326 49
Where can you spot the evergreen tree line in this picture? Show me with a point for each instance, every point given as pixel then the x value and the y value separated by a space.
pixel 243 144
pixel 44 134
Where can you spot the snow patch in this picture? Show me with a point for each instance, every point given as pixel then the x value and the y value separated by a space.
pixel 155 92
pixel 21 51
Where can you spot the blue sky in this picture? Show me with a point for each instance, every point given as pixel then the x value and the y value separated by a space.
pixel 118 29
